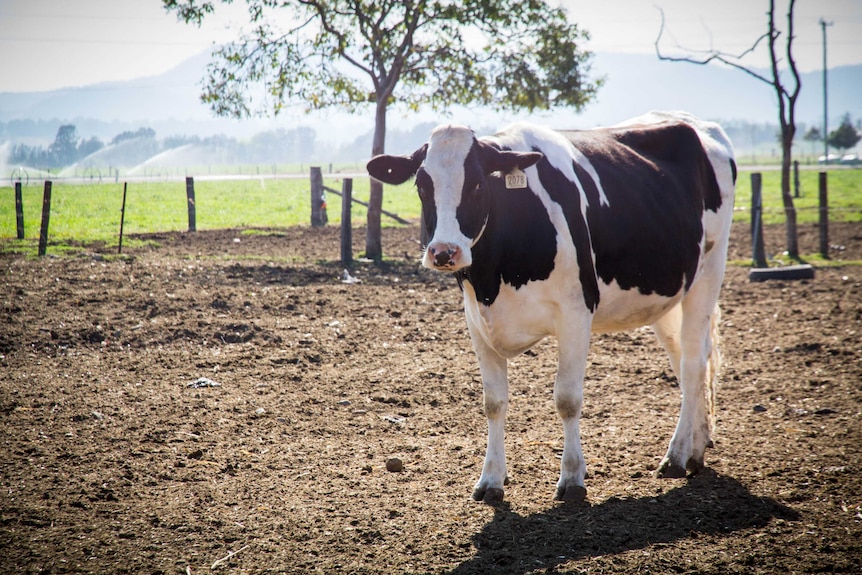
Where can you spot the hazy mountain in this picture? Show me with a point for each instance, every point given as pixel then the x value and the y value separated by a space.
pixel 638 82
pixel 173 94
pixel 634 84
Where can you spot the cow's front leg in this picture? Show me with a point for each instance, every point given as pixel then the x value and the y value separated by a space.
pixel 495 386
pixel 569 398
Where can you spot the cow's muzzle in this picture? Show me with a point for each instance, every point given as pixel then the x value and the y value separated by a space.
pixel 443 256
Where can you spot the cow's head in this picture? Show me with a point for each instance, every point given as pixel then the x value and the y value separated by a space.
pixel 452 177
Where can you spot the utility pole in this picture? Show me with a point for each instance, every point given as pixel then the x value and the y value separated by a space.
pixel 823 25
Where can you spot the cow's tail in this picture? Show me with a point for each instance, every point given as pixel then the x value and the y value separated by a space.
pixel 713 364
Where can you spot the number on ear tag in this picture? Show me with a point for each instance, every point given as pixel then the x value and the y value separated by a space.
pixel 516 179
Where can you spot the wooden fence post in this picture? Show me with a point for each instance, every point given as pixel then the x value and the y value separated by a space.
pixel 758 251
pixel 824 216
pixel 318 211
pixel 122 218
pixel 190 197
pixel 346 228
pixel 19 211
pixel 46 215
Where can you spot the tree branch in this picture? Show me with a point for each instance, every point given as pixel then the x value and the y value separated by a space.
pixel 411 21
pixel 791 62
pixel 713 55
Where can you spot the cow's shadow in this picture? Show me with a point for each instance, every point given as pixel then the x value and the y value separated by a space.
pixel 707 504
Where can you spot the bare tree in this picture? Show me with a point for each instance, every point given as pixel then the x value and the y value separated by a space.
pixel 786 99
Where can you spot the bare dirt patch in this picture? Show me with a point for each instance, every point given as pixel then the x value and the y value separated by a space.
pixel 110 462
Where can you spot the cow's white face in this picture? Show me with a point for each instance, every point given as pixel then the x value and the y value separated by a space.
pixel 452 178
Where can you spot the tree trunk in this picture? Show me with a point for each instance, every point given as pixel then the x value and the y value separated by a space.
pixel 373 240
pixel 787 197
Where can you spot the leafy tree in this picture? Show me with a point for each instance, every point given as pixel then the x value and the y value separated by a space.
pixel 844 136
pixel 294 145
pixel 351 54
pixel 87 147
pixel 178 140
pixel 28 156
pixel 64 150
pixel 813 136
pixel 786 92
pixel 129 135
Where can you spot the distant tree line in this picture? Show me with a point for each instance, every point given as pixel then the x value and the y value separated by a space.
pixel 66 149
pixel 277 146
pixel 129 135
pixel 299 145
pixel 746 135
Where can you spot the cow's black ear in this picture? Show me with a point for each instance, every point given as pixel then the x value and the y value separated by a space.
pixel 526 159
pixel 505 161
pixel 396 169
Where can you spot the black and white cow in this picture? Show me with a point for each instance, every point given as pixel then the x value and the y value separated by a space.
pixel 565 233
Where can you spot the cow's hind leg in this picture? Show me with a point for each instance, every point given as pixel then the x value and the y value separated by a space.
pixel 494 369
pixel 668 329
pixel 698 366
pixel 568 399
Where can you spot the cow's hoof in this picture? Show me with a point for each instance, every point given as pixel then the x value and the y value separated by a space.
pixel 694 465
pixel 492 496
pixel 571 494
pixel 670 470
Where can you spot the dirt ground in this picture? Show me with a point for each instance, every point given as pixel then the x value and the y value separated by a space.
pixel 110 462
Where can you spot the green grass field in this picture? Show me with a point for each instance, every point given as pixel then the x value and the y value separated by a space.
pixel 844 190
pixel 84 213
pixel 91 212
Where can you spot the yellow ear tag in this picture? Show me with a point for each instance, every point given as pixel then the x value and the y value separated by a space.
pixel 516 179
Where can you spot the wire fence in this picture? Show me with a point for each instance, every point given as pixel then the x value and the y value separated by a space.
pixel 100 175
pixel 158 204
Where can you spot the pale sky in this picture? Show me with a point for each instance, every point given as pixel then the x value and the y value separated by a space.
pixel 731 26
pixel 49 44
